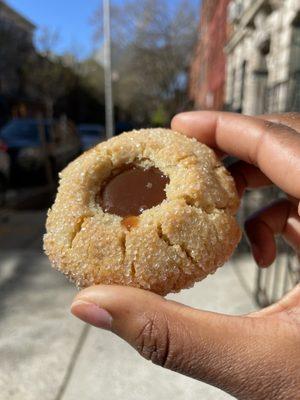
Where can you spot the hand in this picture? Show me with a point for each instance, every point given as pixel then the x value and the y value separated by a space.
pixel 252 357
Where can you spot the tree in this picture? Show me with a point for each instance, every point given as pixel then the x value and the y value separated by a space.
pixel 47 80
pixel 93 75
pixel 14 50
pixel 47 77
pixel 153 41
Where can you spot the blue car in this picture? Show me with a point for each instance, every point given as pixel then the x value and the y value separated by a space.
pixel 91 134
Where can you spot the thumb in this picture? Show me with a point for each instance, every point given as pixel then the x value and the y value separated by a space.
pixel 250 358
pixel 202 345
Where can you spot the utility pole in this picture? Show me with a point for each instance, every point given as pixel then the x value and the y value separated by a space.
pixel 109 108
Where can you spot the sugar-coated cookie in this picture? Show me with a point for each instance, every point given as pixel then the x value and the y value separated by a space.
pixel 150 208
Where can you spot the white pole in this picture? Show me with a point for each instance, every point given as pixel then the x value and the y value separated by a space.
pixel 109 109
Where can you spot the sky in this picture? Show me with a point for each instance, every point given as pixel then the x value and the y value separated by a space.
pixel 71 18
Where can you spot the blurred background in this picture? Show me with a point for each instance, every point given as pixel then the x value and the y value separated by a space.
pixel 72 74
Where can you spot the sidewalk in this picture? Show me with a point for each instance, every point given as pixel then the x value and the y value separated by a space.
pixel 47 354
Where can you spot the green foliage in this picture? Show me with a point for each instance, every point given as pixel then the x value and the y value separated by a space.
pixel 159 117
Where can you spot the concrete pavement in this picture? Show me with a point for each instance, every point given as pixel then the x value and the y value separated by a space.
pixel 37 334
pixel 46 354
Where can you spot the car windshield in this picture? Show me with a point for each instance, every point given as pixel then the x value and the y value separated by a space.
pixel 27 130
pixel 90 131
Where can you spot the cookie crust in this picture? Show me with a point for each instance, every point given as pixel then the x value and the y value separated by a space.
pixel 173 245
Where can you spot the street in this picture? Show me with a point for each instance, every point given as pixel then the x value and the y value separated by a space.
pixel 46 353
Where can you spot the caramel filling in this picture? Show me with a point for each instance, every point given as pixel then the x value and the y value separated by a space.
pixel 130 222
pixel 132 191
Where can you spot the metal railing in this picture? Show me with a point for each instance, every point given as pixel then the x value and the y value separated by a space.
pixel 270 283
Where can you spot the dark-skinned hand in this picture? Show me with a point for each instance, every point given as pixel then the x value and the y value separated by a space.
pixel 252 357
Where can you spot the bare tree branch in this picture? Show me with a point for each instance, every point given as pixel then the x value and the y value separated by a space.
pixel 153 41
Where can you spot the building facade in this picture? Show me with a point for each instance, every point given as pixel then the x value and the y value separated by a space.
pixel 16 45
pixel 16 40
pixel 263 56
pixel 207 76
pixel 13 21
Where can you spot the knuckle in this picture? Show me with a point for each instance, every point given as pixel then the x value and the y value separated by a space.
pixel 294 115
pixel 153 341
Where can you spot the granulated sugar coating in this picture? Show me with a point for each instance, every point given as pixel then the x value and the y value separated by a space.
pixel 191 233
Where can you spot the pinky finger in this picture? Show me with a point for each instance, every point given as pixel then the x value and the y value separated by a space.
pixel 280 218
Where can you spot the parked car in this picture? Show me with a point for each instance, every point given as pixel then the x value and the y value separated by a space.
pixel 91 134
pixel 4 171
pixel 35 146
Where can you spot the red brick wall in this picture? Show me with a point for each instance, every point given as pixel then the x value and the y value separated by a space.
pixel 207 76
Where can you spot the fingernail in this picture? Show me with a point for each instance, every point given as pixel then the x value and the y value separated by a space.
pixel 92 314
pixel 257 255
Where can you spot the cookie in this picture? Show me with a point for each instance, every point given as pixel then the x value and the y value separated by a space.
pixel 151 209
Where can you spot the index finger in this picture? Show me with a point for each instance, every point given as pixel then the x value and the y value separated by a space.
pixel 273 148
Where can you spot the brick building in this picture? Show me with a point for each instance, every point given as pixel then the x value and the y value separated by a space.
pixel 207 76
